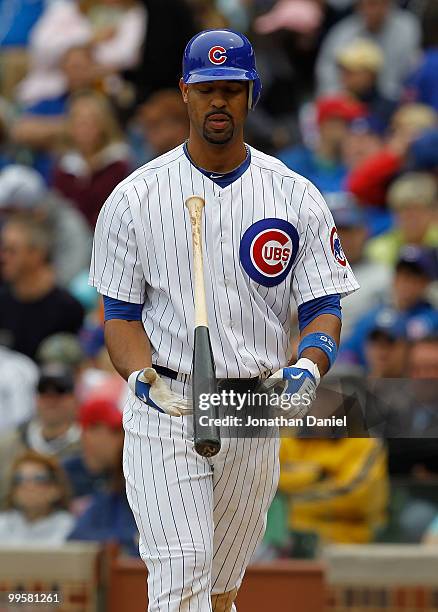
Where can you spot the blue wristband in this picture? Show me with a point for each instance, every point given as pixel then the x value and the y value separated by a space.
pixel 322 341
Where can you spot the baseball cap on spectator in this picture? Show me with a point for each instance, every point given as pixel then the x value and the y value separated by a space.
pixel 61 348
pixel 57 378
pixel 100 411
pixel 389 325
pixel 413 189
pixel 361 54
pixel 338 107
pixel 418 260
pixel 423 152
pixel 21 188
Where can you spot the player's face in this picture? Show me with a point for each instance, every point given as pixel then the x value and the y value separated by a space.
pixel 217 110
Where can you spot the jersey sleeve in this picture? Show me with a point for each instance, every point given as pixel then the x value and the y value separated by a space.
pixel 321 267
pixel 116 269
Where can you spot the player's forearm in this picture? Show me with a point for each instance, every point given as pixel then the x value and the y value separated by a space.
pixel 128 346
pixel 325 324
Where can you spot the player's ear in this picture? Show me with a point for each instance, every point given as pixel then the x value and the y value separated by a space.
pixel 184 89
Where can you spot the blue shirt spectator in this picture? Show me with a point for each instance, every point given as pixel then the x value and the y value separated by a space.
pixel 108 518
pixel 327 176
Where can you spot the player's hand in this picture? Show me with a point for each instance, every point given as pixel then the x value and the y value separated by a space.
pixel 152 390
pixel 299 383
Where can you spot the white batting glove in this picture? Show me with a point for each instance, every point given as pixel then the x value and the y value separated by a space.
pixel 152 390
pixel 300 383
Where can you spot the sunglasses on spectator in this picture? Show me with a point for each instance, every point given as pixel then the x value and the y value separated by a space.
pixel 53 386
pixel 35 478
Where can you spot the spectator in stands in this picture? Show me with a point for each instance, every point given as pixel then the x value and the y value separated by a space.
pixel 369 181
pixel 22 190
pixel 422 85
pixel 164 124
pixel 338 488
pixel 414 199
pixel 53 429
pixel 386 347
pixel 36 503
pixel 374 278
pixel 396 32
pixel 109 517
pixel 18 380
pixel 64 349
pixel 324 165
pixel 32 306
pixel 364 139
pixel 98 158
pixel 423 369
pixel 41 126
pixel 414 272
pixel 360 63
pixel 413 451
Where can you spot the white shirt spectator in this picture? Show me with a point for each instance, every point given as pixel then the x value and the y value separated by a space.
pixel 51 530
pixel 122 51
pixel 18 380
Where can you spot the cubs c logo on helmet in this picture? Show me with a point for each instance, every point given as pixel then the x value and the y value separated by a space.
pixel 336 247
pixel 267 251
pixel 217 55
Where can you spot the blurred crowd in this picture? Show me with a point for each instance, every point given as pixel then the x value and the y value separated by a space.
pixel 89 92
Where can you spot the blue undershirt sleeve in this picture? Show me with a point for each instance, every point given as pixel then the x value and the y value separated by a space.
pixel 117 309
pixel 327 304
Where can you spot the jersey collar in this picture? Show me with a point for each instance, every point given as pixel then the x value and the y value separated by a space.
pixel 223 180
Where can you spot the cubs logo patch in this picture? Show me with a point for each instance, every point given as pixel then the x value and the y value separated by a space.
pixel 217 55
pixel 267 251
pixel 336 247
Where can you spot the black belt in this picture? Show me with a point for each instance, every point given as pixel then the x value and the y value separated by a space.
pixel 243 384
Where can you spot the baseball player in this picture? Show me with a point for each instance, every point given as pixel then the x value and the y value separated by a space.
pixel 269 240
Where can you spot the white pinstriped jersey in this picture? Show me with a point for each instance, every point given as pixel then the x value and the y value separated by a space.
pixel 268 240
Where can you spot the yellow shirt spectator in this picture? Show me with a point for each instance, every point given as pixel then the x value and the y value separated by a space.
pixel 337 488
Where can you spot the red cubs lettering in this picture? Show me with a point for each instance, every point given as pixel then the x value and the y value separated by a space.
pixel 269 258
pixel 217 55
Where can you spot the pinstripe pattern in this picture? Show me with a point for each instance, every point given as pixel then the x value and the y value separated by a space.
pixel 200 520
pixel 176 498
pixel 142 254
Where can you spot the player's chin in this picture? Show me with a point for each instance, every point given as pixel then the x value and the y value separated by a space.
pixel 219 137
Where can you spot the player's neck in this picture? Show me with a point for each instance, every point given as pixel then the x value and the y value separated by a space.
pixel 216 158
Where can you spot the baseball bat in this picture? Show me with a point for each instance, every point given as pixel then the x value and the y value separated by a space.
pixel 206 436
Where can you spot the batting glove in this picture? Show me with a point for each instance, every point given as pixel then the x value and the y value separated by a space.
pixel 153 391
pixel 300 382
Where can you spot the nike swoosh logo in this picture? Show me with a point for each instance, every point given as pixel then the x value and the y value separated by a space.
pixel 216 176
pixel 297 377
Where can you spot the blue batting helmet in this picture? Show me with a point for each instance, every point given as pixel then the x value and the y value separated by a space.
pixel 222 55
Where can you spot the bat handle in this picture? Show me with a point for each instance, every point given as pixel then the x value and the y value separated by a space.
pixel 195 205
